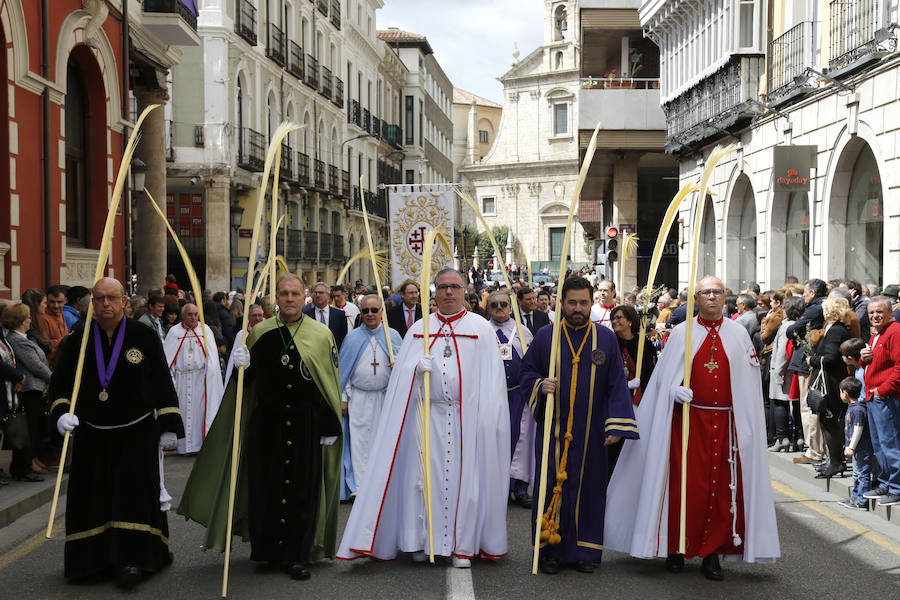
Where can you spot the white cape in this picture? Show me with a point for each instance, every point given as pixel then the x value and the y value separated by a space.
pixel 198 381
pixel 389 512
pixel 637 500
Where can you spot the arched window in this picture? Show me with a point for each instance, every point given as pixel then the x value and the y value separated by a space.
pixel 559 61
pixel 707 258
pixel 741 236
pixel 865 221
pixel 796 237
pixel 560 23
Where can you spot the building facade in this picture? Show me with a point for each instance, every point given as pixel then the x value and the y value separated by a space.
pixel 809 90
pixel 476 121
pixel 71 69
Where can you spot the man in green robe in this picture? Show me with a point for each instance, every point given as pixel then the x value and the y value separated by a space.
pixel 286 501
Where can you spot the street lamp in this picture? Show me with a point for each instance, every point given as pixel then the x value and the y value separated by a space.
pixel 139 177
pixel 139 173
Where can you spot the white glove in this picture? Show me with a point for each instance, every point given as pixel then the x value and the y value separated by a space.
pixel 66 423
pixel 241 356
pixel 634 384
pixel 424 363
pixel 168 441
pixel 327 440
pixel 682 395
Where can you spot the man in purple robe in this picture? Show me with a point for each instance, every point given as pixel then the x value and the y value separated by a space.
pixel 521 423
pixel 592 410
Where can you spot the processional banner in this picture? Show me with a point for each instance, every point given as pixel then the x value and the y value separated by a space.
pixel 415 210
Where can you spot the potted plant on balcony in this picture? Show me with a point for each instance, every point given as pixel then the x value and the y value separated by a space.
pixel 612 81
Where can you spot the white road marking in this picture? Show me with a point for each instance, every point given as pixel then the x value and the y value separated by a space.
pixel 459 584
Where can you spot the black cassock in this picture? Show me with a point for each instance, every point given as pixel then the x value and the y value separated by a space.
pixel 284 451
pixel 113 517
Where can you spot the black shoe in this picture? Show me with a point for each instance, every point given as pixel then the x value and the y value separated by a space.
pixel 33 477
pixel 550 566
pixel 128 576
pixel 523 500
pixel 711 568
pixel 831 472
pixel 584 566
pixel 298 571
pixel 878 492
pixel 675 563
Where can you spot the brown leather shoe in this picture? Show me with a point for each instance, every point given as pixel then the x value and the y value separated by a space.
pixel 804 460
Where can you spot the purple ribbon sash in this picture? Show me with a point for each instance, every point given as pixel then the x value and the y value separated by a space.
pixel 103 370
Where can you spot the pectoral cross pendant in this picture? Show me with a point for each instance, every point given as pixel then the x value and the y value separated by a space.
pixel 374 364
pixel 711 365
pixel 447 351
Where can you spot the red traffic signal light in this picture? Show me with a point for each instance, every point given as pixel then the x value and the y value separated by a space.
pixel 612 232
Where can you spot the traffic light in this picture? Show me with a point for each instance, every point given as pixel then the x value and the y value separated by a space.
pixel 612 244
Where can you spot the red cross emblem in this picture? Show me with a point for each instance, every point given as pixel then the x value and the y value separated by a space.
pixel 416 240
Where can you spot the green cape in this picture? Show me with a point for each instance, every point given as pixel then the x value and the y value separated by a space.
pixel 205 497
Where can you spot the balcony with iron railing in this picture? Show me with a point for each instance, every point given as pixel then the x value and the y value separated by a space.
pixel 376 127
pixel 245 24
pixel 376 204
pixel 337 247
pixel 336 13
pixel 295 60
pixel 320 174
pixel 312 72
pixel 322 5
pixel 251 150
pixel 354 200
pixel 333 179
pixel 713 104
pixel 338 97
pixel 302 168
pixel 171 21
pixel 324 246
pixel 345 183
pixel 325 88
pixel 366 120
pixel 287 163
pixel 310 245
pixel 294 245
pixel 384 130
pixel 354 114
pixel 275 44
pixel 789 56
pixel 857 33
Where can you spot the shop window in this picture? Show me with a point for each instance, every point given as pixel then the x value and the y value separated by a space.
pixel 865 221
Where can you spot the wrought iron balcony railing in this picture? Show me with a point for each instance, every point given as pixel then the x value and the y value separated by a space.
pixel 366 120
pixel 302 168
pixel 295 60
pixel 376 127
pixel 325 89
pixel 394 135
pixel 295 244
pixel 345 183
pixel 336 13
pixel 322 5
pixel 245 25
pixel 856 30
pixel 275 45
pixel 333 186
pixel 312 72
pixel 320 174
pixel 353 114
pixel 338 96
pixel 173 7
pixel 337 247
pixel 287 163
pixel 251 149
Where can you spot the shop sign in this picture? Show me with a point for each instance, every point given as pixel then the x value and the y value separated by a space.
pixel 791 165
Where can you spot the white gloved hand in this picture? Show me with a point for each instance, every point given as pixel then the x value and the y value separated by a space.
pixel 66 423
pixel 168 441
pixel 241 357
pixel 424 363
pixel 682 395
pixel 634 384
pixel 327 440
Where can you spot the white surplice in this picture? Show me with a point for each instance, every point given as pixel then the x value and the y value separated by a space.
pixel 469 451
pixel 198 381
pixel 364 395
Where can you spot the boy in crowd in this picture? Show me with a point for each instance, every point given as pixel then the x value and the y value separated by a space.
pixel 850 351
pixel 858 444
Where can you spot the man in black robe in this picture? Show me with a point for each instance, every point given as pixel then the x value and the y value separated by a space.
pixel 286 498
pixel 126 410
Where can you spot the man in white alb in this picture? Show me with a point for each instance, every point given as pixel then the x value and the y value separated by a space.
pixel 194 364
pixel 469 449
pixel 365 367
pixel 606 294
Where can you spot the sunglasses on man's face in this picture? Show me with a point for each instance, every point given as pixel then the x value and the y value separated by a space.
pixel 501 304
pixel 365 311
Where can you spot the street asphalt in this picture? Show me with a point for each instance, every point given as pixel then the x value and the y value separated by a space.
pixel 827 552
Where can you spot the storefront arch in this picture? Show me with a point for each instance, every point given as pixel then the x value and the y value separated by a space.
pixel 740 235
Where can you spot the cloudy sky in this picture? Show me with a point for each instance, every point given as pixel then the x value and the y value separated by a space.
pixel 472 39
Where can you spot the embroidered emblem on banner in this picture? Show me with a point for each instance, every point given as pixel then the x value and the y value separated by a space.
pixel 598 357
pixel 134 356
pixel 421 212
pixel 334 357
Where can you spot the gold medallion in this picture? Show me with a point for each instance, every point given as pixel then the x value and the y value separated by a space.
pixel 134 356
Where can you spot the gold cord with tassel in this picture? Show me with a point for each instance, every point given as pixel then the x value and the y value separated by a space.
pixel 550 520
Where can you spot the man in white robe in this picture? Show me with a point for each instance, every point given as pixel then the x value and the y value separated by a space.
pixel 469 450
pixel 194 364
pixel 727 431
pixel 365 371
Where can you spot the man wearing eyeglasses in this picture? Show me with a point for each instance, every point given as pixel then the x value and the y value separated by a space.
pixel 365 361
pixel 126 411
pixel 469 449
pixel 521 422
pixel 729 506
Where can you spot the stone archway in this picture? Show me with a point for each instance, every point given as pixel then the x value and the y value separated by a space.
pixel 740 235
